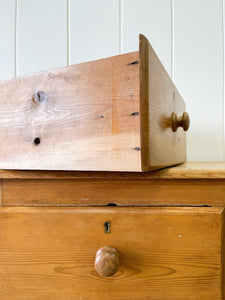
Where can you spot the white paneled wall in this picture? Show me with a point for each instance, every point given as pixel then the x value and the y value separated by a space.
pixel 198 73
pixel 153 19
pixel 41 35
pixel 7 38
pixel 94 29
pixel 188 36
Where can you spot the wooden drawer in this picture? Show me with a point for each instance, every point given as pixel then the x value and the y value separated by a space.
pixel 165 253
pixel 115 114
pixel 121 189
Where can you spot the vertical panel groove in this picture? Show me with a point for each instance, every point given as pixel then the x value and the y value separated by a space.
pixel 172 40
pixel 68 32
pixel 223 45
pixel 151 18
pixel 120 26
pixel 16 38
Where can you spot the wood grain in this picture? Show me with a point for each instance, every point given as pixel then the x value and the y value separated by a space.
pixel 88 121
pixel 167 253
pixel 159 98
pixel 105 115
pixel 188 170
pixel 223 256
pixel 98 192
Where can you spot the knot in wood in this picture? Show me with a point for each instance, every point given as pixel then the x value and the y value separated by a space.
pixel 40 97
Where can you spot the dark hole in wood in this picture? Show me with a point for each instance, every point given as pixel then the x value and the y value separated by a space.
pixel 111 204
pixel 37 141
pixel 136 113
pixel 137 148
pixel 134 63
pixel 107 226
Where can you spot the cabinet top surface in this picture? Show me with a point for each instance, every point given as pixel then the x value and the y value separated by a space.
pixel 189 170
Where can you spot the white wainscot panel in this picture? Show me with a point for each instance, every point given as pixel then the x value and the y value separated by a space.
pixel 42 35
pixel 198 74
pixel 151 18
pixel 7 38
pixel 94 29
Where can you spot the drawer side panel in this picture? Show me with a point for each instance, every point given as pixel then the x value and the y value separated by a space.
pixel 81 117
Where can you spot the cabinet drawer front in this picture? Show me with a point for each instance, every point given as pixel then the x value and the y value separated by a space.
pixel 165 253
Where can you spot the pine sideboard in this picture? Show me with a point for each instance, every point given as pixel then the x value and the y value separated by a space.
pixel 113 235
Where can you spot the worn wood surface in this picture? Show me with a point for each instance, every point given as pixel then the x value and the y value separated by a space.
pixel 159 98
pixel 188 170
pixel 223 257
pixel 98 192
pixel 114 114
pixel 88 120
pixel 167 253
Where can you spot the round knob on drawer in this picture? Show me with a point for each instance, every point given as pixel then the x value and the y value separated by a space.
pixel 107 261
pixel 183 121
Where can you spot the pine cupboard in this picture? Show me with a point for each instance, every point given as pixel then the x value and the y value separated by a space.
pixel 113 235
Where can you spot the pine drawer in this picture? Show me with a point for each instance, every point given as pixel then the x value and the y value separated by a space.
pixel 120 113
pixel 164 253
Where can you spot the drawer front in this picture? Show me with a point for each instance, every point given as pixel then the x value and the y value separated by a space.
pixel 104 191
pixel 164 253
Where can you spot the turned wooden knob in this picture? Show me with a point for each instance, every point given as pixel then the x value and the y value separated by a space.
pixel 183 121
pixel 107 261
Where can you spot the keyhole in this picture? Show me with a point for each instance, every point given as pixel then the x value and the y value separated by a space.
pixel 107 226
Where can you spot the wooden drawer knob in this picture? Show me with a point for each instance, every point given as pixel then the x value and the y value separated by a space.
pixel 107 261
pixel 183 121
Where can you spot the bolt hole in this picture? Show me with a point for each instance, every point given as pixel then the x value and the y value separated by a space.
pixel 136 113
pixel 107 226
pixel 134 63
pixel 37 141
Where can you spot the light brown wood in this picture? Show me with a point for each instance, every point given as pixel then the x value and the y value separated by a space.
pixel 161 146
pixel 223 257
pixel 98 192
pixel 114 114
pixel 89 118
pixel 107 261
pixel 189 170
pixel 165 253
